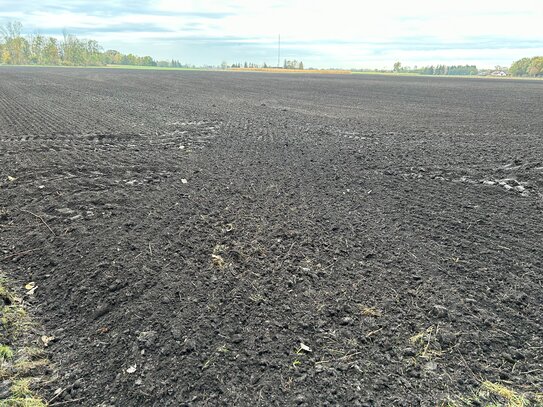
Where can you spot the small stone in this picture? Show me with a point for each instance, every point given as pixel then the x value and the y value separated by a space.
pixel 347 321
pixel 518 355
pixel 413 373
pixel 447 338
pixel 506 356
pixel 5 391
pixel 101 311
pixel 147 339
pixel 440 311
pixel 237 338
pixel 430 366
pixel 177 333
pixel 409 352
pixel 189 346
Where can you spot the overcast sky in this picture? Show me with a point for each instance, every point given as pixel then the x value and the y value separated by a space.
pixel 321 33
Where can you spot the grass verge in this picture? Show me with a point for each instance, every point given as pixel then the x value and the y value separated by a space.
pixel 21 366
pixel 491 394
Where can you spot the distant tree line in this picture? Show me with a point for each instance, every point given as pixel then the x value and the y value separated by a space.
pixel 293 64
pixel 173 64
pixel 438 69
pixel 36 49
pixel 244 65
pixel 527 67
pixel 448 70
pixel 287 64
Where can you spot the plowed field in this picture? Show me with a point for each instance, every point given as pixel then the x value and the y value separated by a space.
pixel 208 238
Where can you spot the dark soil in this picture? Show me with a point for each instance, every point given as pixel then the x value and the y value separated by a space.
pixel 201 226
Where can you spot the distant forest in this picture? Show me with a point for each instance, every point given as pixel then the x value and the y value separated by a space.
pixel 36 49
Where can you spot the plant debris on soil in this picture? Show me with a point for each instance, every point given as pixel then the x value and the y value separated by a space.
pixel 209 238
pixel 24 367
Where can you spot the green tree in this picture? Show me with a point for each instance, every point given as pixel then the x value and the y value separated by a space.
pixel 36 45
pixel 397 66
pixel 112 57
pixel 536 66
pixel 520 67
pixel 72 51
pixel 92 53
pixel 147 61
pixel 51 52
pixel 15 49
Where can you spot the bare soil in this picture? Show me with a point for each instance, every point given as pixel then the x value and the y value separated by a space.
pixel 207 238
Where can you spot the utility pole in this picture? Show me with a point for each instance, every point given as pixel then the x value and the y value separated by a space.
pixel 279 52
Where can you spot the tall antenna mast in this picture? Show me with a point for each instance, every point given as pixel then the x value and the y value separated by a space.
pixel 279 52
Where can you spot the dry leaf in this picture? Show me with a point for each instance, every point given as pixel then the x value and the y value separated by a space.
pixel 131 369
pixel 184 181
pixel 11 179
pixel 304 347
pixel 30 285
pixel 218 260
pixel 46 339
